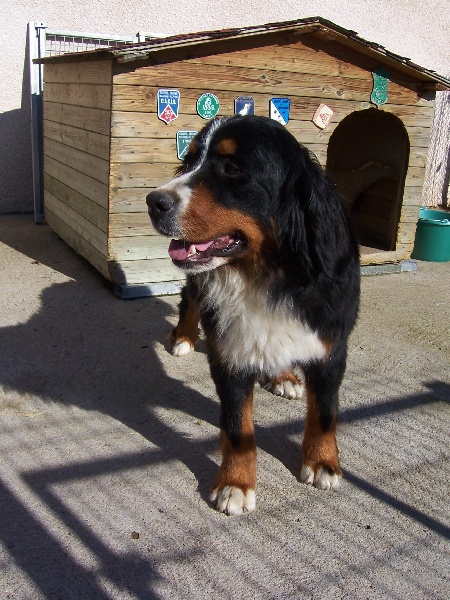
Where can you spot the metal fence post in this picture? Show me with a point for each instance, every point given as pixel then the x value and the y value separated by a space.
pixel 36 49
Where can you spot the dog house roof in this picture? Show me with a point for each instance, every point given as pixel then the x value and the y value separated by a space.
pixel 129 53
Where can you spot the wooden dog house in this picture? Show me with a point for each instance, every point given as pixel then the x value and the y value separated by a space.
pixel 105 147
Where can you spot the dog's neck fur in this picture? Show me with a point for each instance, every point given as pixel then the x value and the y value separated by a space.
pixel 254 333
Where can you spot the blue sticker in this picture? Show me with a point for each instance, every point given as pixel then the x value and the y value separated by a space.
pixel 244 105
pixel 279 110
pixel 168 104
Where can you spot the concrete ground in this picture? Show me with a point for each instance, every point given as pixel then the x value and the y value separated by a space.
pixel 109 446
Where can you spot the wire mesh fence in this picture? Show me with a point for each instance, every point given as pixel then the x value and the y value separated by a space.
pixel 56 44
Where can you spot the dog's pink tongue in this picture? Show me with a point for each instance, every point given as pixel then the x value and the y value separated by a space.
pixel 180 250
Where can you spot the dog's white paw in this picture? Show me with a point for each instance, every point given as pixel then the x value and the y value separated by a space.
pixel 182 347
pixel 322 480
pixel 231 500
pixel 293 390
pixel 288 389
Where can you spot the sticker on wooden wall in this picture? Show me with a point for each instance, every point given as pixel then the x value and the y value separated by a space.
pixel 184 138
pixel 279 110
pixel 380 82
pixel 168 104
pixel 244 105
pixel 208 105
pixel 322 116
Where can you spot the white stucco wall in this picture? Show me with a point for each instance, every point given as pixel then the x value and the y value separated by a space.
pixel 412 28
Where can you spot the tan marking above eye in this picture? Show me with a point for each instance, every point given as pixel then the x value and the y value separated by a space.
pixel 227 147
pixel 193 149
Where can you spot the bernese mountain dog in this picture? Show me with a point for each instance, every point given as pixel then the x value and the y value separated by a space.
pixel 273 275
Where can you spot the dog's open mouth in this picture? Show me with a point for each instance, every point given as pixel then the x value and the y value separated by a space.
pixel 186 253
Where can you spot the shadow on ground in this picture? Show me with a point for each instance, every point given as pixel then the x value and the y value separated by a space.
pixel 88 349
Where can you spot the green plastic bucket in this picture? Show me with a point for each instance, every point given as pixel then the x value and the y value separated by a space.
pixel 432 241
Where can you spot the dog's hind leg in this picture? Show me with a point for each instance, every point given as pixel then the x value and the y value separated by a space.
pixel 319 450
pixel 185 334
pixel 234 491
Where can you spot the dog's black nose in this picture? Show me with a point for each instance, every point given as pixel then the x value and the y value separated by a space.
pixel 161 202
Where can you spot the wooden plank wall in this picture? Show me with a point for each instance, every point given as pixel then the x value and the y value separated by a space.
pixel 77 122
pixel 143 150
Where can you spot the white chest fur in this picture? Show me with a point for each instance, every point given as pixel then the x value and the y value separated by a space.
pixel 254 334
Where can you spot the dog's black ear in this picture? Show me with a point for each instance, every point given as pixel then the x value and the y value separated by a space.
pixel 313 221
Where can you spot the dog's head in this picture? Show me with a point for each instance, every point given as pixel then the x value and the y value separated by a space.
pixel 247 191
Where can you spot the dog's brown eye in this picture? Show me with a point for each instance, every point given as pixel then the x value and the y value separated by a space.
pixel 231 169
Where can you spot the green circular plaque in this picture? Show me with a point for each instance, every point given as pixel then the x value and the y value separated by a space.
pixel 208 105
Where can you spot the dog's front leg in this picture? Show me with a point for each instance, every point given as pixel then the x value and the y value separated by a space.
pixel 319 450
pixel 185 334
pixel 234 492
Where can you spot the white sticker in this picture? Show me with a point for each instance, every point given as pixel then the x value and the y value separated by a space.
pixel 322 116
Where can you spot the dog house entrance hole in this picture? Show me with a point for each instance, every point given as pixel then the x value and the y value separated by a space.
pixel 367 158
